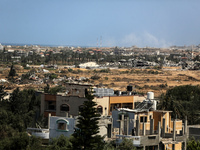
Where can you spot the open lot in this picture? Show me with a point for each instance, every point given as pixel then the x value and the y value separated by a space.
pixel 143 80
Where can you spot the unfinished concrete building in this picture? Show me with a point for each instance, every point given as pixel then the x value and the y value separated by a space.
pixel 149 128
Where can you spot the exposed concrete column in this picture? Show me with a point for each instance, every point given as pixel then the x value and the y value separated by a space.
pixel 159 131
pixel 143 147
pixel 144 129
pixel 174 130
pixel 122 124
pixel 163 128
pixel 49 115
pixel 151 126
pixel 185 130
pixel 66 115
pixel 185 126
pixel 137 127
pixel 185 145
pixel 127 126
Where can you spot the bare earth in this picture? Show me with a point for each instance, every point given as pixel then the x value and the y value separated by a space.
pixel 143 80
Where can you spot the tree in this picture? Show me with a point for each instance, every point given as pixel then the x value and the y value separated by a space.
pixel 61 143
pixel 2 92
pixel 21 141
pixel 126 144
pixel 193 145
pixel 85 136
pixel 182 101
pixel 110 145
pixel 12 72
pixel 46 89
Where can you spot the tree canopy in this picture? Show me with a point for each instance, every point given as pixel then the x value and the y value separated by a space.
pixel 193 145
pixel 183 101
pixel 18 112
pixel 85 135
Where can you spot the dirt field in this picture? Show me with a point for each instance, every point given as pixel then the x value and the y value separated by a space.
pixel 143 80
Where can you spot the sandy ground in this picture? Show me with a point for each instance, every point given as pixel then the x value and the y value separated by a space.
pixel 143 80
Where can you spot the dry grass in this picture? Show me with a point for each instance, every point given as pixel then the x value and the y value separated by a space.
pixel 143 80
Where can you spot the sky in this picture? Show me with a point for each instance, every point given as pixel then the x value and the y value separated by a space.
pixel 123 23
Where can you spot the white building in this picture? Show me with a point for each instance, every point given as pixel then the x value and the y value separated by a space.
pixel 89 65
pixel 1 47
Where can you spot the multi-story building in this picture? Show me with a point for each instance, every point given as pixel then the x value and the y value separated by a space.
pixel 106 104
pixel 59 105
pixel 68 102
pixel 149 128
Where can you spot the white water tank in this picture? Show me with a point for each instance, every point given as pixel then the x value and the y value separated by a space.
pixel 150 95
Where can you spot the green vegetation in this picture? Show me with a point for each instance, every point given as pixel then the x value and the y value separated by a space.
pixel 12 73
pixel 21 141
pixel 183 101
pixel 85 136
pixel 53 90
pixel 193 145
pixel 60 143
pixel 126 144
pixel 16 114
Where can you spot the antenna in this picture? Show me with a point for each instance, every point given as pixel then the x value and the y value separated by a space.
pixel 97 42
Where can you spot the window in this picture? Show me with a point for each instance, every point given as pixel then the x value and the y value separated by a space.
pixel 143 119
pixel 62 124
pixel 64 107
pixel 51 105
pixel 100 109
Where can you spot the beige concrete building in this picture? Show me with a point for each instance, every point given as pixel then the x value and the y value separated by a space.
pixel 58 105
pixel 102 105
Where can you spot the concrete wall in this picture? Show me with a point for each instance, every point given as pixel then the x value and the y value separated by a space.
pixel 194 131
pixel 76 89
pixel 121 99
pixel 158 116
pixel 147 115
pixel 55 132
pixel 177 146
pixel 72 101
pixel 104 102
pixel 116 123
pixel 138 98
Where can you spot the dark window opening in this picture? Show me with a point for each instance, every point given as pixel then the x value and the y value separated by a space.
pixel 51 105
pixel 61 126
pixel 100 109
pixel 143 119
pixel 64 107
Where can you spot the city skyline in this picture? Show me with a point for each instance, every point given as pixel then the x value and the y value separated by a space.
pixel 90 23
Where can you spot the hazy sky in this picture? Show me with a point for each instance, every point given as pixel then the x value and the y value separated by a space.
pixel 153 23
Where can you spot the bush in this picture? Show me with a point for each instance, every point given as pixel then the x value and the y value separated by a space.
pixel 70 70
pixel 95 77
